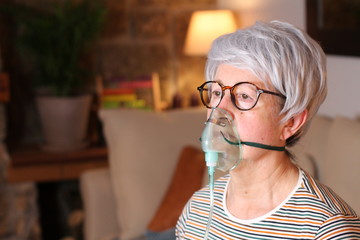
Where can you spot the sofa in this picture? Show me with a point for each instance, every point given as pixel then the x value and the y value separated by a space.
pixel 155 164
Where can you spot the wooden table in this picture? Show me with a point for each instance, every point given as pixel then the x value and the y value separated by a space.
pixel 32 164
pixel 51 172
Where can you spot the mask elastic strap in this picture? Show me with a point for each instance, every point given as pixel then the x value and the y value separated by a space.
pixel 259 145
pixel 254 144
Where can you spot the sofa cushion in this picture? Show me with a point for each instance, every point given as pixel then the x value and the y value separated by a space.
pixel 143 150
pixel 96 190
pixel 309 151
pixel 186 180
pixel 341 172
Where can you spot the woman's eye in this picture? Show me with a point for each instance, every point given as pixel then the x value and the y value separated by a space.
pixel 216 93
pixel 243 97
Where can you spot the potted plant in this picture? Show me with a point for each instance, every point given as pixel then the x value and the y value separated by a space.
pixel 57 38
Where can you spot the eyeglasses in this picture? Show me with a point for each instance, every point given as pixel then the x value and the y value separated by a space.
pixel 244 95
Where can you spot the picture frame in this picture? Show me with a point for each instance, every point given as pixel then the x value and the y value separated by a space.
pixel 335 25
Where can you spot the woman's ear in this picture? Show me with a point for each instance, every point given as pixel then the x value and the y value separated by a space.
pixel 292 125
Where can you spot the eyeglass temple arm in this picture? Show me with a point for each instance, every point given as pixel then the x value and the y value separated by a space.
pixel 272 93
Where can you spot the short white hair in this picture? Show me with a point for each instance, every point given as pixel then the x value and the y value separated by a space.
pixel 281 55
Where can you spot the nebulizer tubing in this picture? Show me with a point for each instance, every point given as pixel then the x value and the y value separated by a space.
pixel 212 157
pixel 222 146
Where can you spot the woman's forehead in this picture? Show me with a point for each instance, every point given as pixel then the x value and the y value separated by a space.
pixel 230 75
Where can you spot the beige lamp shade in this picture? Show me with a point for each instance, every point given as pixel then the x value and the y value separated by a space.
pixel 204 27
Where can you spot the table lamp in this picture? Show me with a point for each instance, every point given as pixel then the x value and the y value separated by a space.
pixel 204 27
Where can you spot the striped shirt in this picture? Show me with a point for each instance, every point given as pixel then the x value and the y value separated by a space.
pixel 311 211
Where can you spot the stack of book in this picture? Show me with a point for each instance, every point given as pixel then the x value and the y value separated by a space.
pixel 138 93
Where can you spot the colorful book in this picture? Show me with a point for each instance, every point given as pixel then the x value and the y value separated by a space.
pixel 119 97
pixel 139 103
pixel 115 91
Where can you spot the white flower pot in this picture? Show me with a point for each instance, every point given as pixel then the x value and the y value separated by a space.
pixel 64 122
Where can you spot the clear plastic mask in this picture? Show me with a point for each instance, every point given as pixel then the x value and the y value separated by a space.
pixel 220 137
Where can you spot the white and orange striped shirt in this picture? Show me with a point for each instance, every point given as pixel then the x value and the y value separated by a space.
pixel 312 211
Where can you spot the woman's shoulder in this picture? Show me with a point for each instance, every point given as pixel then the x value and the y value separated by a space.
pixel 323 197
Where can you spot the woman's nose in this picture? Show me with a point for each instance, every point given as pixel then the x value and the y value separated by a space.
pixel 226 99
pixel 226 103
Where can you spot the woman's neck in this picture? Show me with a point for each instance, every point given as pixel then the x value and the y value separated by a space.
pixel 258 186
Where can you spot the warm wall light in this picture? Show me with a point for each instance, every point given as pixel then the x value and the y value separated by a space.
pixel 204 27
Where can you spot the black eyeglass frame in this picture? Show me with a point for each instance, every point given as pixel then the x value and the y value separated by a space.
pixel 223 88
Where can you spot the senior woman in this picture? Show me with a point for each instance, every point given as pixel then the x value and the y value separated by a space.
pixel 271 78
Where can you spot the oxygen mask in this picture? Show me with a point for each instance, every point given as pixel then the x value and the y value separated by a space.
pixel 222 146
pixel 220 141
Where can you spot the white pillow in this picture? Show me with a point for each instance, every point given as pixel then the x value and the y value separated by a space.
pixel 309 151
pixel 342 168
pixel 143 151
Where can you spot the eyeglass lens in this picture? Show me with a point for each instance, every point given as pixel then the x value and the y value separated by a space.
pixel 245 95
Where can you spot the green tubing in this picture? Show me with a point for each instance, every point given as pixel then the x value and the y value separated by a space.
pixel 211 186
pixel 211 160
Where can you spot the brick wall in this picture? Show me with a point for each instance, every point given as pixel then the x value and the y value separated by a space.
pixel 143 36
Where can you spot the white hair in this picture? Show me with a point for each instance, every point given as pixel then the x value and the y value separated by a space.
pixel 281 55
